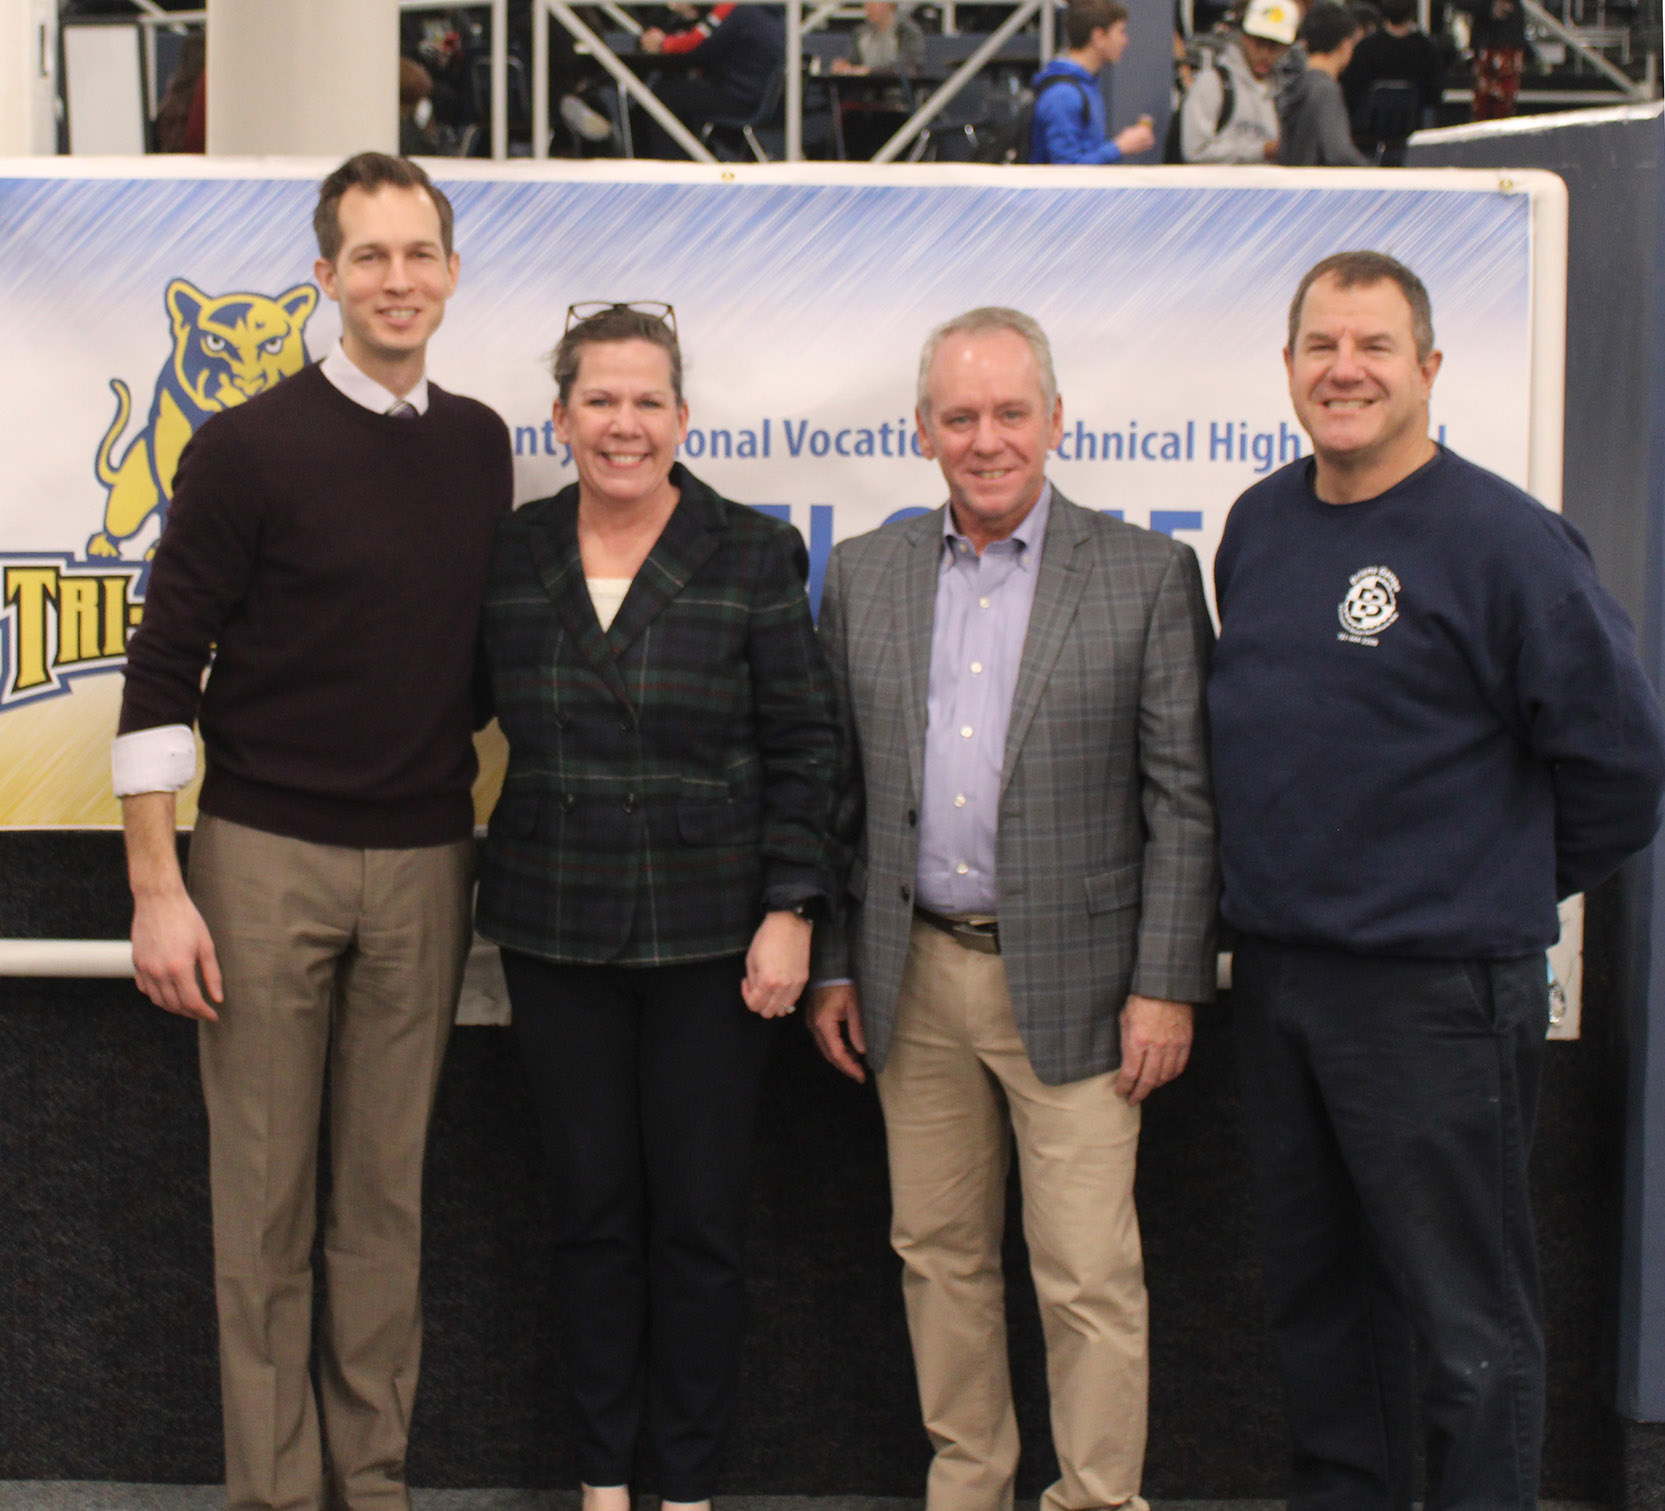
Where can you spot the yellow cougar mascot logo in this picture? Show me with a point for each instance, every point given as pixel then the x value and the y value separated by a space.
pixel 225 351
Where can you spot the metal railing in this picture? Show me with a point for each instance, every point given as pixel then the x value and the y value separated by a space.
pixel 1564 33
pixel 631 87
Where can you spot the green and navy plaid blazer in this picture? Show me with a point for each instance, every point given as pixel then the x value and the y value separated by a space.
pixel 670 778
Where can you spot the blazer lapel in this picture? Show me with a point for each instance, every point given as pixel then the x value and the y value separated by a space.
pixel 1058 590
pixel 560 569
pixel 916 609
pixel 684 545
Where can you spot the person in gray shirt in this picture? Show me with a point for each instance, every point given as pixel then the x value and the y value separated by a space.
pixel 1315 130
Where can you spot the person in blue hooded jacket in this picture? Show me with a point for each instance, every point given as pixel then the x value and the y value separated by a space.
pixel 1069 123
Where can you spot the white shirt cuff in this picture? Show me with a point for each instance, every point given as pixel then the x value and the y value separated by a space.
pixel 163 759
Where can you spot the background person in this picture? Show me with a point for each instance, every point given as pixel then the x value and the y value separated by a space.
pixel 737 50
pixel 1230 114
pixel 887 45
pixel 1396 50
pixel 1069 123
pixel 1314 128
pixel 1429 724
pixel 650 872
pixel 1497 38
pixel 886 42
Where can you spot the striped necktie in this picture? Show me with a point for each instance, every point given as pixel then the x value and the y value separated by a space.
pixel 401 409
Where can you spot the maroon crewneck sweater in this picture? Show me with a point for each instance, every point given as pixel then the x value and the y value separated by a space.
pixel 332 559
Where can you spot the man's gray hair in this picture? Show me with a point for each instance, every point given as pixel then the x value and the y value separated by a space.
pixel 979 322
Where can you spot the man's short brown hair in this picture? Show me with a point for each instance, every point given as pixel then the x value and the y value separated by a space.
pixel 1084 17
pixel 371 171
pixel 1350 269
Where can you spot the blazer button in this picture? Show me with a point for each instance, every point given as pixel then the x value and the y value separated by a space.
pixel 913 817
pixel 627 725
pixel 569 801
pixel 630 803
pixel 906 891
pixel 560 721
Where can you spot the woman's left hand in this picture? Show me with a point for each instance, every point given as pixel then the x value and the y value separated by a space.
pixel 777 965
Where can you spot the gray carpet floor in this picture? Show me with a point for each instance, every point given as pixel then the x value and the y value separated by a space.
pixel 87 1495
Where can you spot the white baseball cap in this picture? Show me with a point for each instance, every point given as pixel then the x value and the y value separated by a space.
pixel 1272 20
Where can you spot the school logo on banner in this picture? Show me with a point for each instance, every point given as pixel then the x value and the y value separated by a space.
pixel 69 614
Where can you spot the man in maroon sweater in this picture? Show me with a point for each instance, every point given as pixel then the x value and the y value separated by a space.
pixel 327 543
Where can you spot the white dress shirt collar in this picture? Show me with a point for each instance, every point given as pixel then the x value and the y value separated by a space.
pixel 361 388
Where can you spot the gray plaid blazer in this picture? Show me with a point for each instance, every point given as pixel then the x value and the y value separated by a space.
pixel 1105 858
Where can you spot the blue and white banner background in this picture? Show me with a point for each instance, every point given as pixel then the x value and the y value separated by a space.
pixel 802 297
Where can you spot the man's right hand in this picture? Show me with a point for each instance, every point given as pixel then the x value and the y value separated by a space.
pixel 173 953
pixel 171 945
pixel 835 1020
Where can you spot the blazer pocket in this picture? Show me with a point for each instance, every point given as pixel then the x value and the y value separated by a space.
pixel 517 813
pixel 1109 890
pixel 724 822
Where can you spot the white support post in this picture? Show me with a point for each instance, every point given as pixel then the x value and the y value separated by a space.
pixel 291 77
pixel 500 79
pixel 28 78
pixel 540 79
pixel 794 81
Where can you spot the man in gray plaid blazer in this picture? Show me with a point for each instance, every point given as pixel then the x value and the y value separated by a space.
pixel 1030 906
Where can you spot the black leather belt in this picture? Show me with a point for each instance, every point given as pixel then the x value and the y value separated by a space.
pixel 982 937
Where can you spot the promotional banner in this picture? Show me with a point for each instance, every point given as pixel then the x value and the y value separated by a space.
pixel 137 300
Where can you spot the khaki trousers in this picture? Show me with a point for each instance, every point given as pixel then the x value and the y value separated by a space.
pixel 956 1078
pixel 350 958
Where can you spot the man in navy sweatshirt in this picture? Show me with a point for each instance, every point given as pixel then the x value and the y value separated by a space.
pixel 1429 724
pixel 1069 123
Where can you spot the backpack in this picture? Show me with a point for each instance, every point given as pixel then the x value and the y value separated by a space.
pixel 1011 142
pixel 1171 149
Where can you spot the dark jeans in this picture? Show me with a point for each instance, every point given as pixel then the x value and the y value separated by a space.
pixel 645 1083
pixel 1390 1106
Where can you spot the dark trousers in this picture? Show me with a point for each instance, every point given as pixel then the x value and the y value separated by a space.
pixel 1390 1106
pixel 693 101
pixel 645 1083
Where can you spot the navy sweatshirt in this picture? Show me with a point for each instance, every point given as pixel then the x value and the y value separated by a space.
pixel 1429 721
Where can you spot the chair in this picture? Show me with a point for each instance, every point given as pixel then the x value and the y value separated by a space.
pixel 768 108
pixel 1387 115
pixel 952 133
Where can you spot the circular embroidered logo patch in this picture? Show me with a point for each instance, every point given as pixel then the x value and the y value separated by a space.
pixel 1372 601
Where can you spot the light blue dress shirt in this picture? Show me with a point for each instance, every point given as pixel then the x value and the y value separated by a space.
pixel 977 635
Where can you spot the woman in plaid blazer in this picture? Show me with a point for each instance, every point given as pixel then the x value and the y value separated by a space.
pixel 651 872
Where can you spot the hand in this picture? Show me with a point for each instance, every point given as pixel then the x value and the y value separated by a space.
pixel 171 944
pixel 834 1012
pixel 1156 1043
pixel 777 965
pixel 1269 150
pixel 651 40
pixel 1139 137
pixel 844 65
